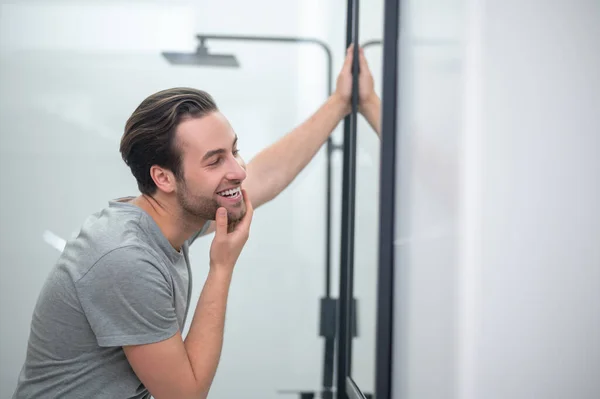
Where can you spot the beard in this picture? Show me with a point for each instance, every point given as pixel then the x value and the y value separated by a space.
pixel 198 208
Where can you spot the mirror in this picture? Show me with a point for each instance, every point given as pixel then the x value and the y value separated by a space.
pixel 362 370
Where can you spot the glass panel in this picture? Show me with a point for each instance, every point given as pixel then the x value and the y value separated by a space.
pixel 367 207
pixel 429 137
pixel 497 277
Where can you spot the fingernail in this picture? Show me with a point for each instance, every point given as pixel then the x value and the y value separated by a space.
pixel 222 212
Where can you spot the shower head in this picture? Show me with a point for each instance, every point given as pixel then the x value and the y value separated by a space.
pixel 201 58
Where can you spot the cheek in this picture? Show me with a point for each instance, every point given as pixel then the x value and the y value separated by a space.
pixel 200 184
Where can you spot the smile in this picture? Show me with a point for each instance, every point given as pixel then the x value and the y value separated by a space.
pixel 233 193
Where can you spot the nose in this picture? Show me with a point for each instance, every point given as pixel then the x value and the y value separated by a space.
pixel 237 170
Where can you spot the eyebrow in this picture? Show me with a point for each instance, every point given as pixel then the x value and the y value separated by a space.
pixel 212 153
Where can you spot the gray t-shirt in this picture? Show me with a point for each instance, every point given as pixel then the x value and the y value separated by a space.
pixel 120 282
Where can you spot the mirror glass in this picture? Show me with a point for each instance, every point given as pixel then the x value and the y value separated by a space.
pixel 367 207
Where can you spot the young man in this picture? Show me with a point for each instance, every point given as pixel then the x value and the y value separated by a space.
pixel 108 321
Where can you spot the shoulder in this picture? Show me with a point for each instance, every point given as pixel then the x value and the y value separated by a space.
pixel 126 262
pixel 134 252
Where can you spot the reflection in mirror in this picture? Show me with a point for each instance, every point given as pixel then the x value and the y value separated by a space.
pixel 367 204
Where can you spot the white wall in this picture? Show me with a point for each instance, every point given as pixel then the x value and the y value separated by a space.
pixel 498 268
pixel 71 72
pixel 540 319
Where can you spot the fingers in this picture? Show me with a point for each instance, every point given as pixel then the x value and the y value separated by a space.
pixel 347 67
pixel 362 60
pixel 221 221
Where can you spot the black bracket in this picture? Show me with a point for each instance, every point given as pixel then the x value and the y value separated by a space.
pixel 328 317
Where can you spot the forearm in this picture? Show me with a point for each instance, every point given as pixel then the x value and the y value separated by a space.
pixel 371 110
pixel 274 168
pixel 205 337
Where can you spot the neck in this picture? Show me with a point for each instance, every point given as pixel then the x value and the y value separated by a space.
pixel 175 226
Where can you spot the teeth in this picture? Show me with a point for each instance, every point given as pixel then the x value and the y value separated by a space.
pixel 230 193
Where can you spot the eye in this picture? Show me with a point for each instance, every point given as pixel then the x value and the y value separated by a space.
pixel 215 163
pixel 235 152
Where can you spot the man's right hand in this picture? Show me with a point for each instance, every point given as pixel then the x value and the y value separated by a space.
pixel 174 368
pixel 227 246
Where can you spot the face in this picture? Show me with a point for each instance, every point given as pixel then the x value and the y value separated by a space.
pixel 213 171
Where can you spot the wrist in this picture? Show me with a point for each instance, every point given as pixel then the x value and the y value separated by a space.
pixel 220 271
pixel 339 105
pixel 370 105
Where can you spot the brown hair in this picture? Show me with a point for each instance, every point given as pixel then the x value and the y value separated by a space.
pixel 149 137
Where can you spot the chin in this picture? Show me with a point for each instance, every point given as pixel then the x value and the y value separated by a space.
pixel 235 215
pixel 235 210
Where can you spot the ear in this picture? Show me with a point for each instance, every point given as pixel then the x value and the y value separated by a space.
pixel 163 178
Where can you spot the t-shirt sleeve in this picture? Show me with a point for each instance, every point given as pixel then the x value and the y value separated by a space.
pixel 128 299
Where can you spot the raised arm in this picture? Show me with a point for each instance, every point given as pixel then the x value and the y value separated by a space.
pixel 371 110
pixel 275 167
pixel 369 102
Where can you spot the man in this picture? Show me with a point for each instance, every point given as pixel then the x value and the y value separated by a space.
pixel 108 321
